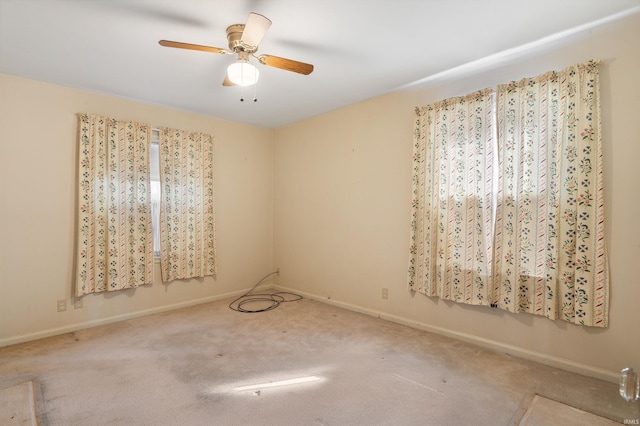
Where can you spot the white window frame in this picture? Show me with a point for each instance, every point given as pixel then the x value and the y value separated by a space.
pixel 155 189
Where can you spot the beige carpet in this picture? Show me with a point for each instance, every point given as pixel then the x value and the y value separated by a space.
pixel 192 366
pixel 17 405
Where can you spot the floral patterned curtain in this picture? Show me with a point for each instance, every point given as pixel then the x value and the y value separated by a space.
pixel 450 254
pixel 115 244
pixel 550 255
pixel 187 221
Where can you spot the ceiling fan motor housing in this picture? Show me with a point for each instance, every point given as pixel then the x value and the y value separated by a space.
pixel 234 36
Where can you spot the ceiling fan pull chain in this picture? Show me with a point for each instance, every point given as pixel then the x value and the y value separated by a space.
pixel 255 93
pixel 242 87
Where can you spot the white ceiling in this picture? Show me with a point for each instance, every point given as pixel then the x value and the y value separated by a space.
pixel 360 48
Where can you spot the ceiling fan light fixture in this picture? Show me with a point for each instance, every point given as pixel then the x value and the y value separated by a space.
pixel 243 73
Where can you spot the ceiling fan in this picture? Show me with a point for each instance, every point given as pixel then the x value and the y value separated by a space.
pixel 243 41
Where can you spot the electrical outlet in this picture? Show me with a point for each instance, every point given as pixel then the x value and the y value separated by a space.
pixel 385 293
pixel 62 305
pixel 77 303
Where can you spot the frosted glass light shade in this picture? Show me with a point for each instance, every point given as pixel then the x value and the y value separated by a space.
pixel 243 73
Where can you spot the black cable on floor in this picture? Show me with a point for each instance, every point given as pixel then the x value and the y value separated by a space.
pixel 274 298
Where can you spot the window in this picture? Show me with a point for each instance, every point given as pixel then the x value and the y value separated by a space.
pixel 121 194
pixel 547 254
pixel 154 159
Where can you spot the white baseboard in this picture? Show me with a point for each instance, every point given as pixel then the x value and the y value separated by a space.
pixel 542 358
pixel 130 315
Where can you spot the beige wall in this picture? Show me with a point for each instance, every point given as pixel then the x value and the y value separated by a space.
pixel 342 208
pixel 38 183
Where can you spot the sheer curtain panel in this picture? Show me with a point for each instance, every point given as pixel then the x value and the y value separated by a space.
pixel 115 244
pixel 451 226
pixel 550 254
pixel 187 220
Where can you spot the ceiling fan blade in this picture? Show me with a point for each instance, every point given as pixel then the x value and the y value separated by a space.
pixel 228 82
pixel 286 64
pixel 179 45
pixel 255 29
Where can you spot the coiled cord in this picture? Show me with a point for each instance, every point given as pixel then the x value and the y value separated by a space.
pixel 275 299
